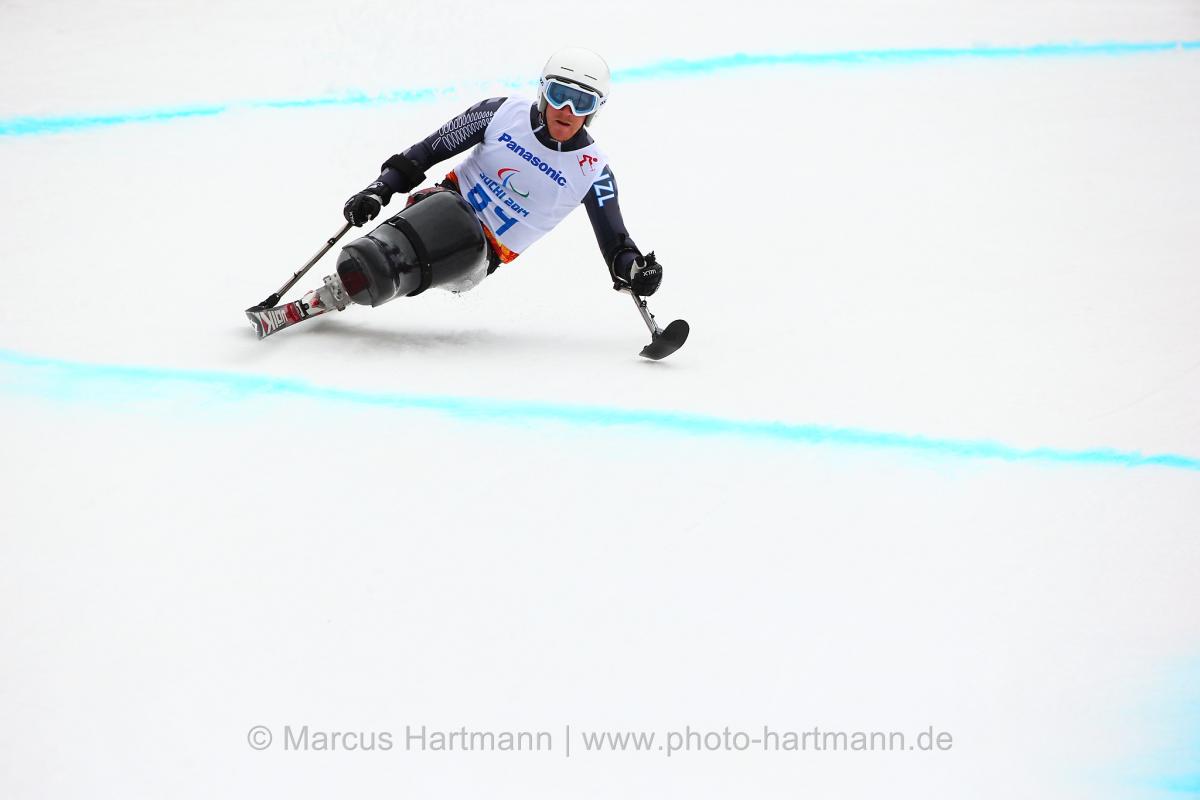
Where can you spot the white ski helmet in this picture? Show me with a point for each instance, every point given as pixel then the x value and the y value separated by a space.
pixel 580 67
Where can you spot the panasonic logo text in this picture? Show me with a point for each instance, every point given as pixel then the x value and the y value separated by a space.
pixel 547 170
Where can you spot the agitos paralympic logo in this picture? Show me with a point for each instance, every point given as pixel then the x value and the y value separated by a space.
pixel 506 181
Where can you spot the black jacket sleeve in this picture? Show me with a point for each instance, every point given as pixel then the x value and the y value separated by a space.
pixel 405 171
pixel 604 211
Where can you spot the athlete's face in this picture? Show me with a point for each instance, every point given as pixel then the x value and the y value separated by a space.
pixel 562 123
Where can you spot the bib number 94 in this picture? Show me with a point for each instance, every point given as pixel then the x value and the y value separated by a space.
pixel 480 200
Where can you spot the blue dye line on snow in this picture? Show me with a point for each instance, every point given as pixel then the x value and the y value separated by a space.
pixel 76 376
pixel 674 68
pixel 1184 785
pixel 1166 713
pixel 683 67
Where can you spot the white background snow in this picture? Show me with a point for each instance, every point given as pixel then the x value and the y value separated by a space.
pixel 963 249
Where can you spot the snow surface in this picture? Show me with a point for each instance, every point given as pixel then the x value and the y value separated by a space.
pixel 480 527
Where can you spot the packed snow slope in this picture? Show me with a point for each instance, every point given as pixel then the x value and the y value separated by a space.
pixel 931 458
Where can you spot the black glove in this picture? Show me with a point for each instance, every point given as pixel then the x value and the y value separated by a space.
pixel 642 275
pixel 365 206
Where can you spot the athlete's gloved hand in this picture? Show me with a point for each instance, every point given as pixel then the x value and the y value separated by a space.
pixel 361 208
pixel 365 206
pixel 645 274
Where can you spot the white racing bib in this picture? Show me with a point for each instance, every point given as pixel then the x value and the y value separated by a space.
pixel 520 189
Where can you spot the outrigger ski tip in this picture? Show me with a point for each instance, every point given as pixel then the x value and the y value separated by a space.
pixel 267 320
pixel 667 341
pixel 271 320
pixel 663 341
pixel 253 317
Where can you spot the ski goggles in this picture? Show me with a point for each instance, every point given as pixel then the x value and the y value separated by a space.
pixel 560 95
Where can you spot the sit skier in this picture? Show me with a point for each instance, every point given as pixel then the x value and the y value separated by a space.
pixel 531 163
